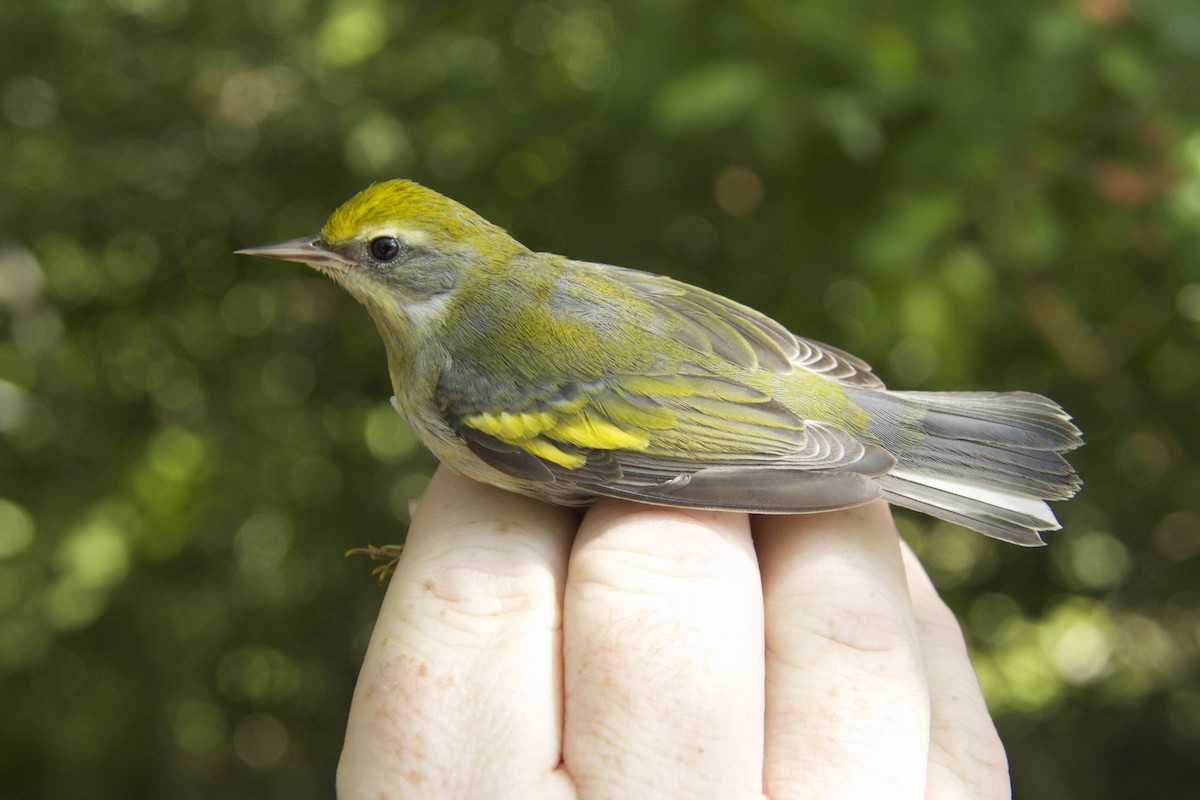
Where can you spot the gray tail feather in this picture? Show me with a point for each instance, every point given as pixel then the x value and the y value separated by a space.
pixel 984 460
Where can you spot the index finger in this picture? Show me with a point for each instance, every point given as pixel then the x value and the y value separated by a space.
pixel 460 693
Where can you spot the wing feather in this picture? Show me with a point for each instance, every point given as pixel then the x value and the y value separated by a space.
pixel 685 439
pixel 705 432
pixel 717 325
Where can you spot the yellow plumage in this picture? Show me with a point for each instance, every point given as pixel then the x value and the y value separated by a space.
pixel 568 380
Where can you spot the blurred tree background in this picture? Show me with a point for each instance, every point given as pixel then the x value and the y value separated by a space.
pixel 969 195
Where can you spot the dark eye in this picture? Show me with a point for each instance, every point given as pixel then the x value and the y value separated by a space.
pixel 385 248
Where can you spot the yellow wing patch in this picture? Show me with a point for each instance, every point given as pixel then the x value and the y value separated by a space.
pixel 545 450
pixel 537 432
pixel 508 426
pixel 597 433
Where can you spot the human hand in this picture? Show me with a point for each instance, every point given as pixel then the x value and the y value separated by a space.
pixel 651 652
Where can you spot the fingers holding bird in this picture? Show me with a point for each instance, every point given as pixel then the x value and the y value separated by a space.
pixel 643 651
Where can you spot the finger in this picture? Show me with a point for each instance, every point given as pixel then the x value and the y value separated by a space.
pixel 663 655
pixel 460 691
pixel 966 757
pixel 847 708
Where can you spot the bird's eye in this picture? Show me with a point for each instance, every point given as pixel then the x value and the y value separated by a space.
pixel 385 248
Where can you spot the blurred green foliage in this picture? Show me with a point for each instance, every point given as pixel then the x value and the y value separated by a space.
pixel 970 195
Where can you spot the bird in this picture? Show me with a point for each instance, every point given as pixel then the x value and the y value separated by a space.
pixel 569 381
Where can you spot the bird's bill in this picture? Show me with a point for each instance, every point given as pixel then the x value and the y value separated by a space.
pixel 309 250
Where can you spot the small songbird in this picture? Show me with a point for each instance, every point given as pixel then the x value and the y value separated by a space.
pixel 567 381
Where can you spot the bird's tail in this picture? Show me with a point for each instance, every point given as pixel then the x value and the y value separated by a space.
pixel 986 460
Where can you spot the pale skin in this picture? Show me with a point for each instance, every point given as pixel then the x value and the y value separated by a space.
pixel 526 651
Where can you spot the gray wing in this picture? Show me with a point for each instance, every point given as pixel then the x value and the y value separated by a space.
pixel 622 436
pixel 715 324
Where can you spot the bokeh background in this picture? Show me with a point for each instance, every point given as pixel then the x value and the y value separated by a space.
pixel 969 195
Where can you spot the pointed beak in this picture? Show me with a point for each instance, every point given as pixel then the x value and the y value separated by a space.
pixel 310 250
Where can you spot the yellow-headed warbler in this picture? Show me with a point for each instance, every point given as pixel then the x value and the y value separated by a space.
pixel 567 380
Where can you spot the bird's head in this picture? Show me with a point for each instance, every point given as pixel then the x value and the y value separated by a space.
pixel 399 248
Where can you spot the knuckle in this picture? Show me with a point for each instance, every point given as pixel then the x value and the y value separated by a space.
pixel 865 621
pixel 470 590
pixel 479 590
pixel 976 757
